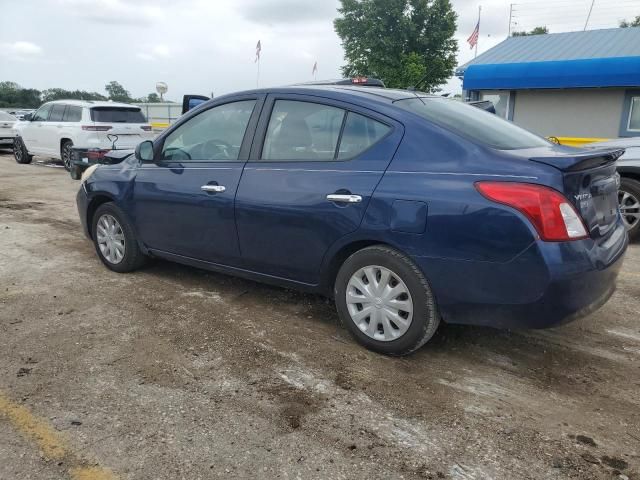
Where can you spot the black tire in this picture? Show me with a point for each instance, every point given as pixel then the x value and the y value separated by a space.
pixel 632 188
pixel 76 172
pixel 20 152
pixel 133 257
pixel 425 319
pixel 66 154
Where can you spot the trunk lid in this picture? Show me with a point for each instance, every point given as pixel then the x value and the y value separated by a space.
pixel 591 185
pixel 126 126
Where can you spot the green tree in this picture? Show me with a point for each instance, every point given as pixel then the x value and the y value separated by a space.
pixel 403 42
pixel 153 98
pixel 633 23
pixel 536 31
pixel 13 95
pixel 62 94
pixel 117 92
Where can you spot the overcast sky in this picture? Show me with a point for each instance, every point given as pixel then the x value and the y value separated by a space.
pixel 204 46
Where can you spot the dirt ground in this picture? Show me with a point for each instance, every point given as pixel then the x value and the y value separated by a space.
pixel 173 372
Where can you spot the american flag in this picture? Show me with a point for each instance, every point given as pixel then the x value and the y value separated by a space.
pixel 473 38
pixel 258 50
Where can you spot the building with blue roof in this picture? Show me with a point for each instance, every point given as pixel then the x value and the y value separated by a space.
pixel 581 85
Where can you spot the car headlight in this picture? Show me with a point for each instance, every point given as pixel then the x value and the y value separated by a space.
pixel 87 173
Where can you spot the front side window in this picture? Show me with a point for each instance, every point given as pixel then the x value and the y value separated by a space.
pixel 72 114
pixel 302 131
pixel 42 114
pixel 469 121
pixel 57 113
pixel 633 125
pixel 214 135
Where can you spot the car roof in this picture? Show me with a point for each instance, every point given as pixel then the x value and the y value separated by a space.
pixel 373 94
pixel 93 103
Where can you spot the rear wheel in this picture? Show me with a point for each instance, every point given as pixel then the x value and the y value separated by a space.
pixel 385 301
pixel 629 201
pixel 20 152
pixel 115 240
pixel 66 154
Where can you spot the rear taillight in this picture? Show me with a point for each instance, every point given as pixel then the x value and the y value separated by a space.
pixel 552 215
pixel 96 154
pixel 146 128
pixel 96 128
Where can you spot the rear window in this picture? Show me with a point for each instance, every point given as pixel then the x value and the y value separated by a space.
pixel 117 115
pixel 6 117
pixel 472 122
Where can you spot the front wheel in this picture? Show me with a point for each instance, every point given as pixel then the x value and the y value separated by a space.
pixel 629 201
pixel 20 152
pixel 385 301
pixel 114 239
pixel 66 153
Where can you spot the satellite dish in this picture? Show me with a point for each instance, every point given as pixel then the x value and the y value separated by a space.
pixel 161 88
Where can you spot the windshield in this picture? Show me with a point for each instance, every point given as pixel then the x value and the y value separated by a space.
pixel 6 117
pixel 117 115
pixel 472 122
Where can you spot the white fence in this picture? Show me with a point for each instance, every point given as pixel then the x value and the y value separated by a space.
pixel 161 115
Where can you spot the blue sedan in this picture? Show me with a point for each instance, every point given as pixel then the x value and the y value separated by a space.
pixel 407 209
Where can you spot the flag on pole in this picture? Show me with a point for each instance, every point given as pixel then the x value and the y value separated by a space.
pixel 473 38
pixel 315 68
pixel 258 50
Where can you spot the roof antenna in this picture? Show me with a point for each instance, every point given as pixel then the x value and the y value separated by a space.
pixel 589 16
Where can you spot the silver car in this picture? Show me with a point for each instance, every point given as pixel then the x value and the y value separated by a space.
pixel 629 170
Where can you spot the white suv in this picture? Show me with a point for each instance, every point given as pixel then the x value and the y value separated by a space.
pixel 90 128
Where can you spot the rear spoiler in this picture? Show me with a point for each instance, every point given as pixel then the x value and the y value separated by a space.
pixel 572 162
pixel 192 101
pixel 485 105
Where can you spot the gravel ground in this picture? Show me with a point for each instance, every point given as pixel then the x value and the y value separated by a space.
pixel 173 372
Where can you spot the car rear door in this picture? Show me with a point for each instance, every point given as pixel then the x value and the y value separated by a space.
pixel 299 193
pixel 183 202
pixel 54 130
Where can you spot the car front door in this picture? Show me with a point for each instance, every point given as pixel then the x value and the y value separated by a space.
pixel 34 131
pixel 313 168
pixel 183 201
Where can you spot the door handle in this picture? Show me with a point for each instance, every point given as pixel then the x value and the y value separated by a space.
pixel 213 188
pixel 336 197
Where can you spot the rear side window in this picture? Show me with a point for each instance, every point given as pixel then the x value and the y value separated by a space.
pixel 57 113
pixel 302 131
pixel 468 121
pixel 72 114
pixel 359 133
pixel 117 115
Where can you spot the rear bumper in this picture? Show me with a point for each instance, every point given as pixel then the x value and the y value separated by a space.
pixel 548 284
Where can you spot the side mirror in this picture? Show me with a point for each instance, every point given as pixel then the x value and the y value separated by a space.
pixel 28 117
pixel 144 151
pixel 192 101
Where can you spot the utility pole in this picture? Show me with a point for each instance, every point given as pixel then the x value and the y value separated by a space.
pixel 510 17
pixel 589 16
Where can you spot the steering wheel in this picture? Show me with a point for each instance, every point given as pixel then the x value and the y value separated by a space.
pixel 214 146
pixel 175 154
